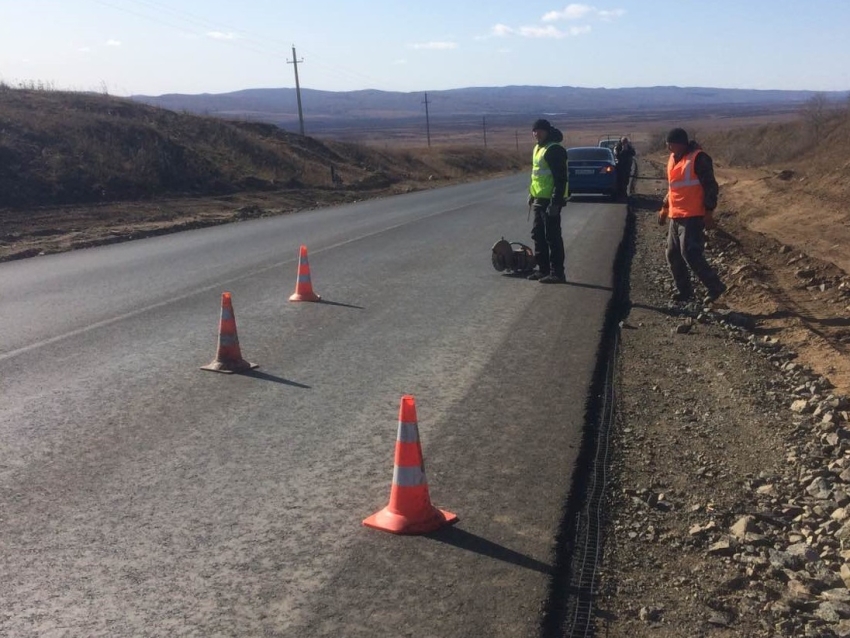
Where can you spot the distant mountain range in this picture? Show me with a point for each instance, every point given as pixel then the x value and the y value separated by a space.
pixel 327 110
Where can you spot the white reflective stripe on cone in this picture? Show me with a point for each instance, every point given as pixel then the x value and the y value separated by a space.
pixel 408 432
pixel 408 476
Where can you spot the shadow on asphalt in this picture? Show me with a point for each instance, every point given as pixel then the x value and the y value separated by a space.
pixel 468 541
pixel 577 284
pixel 265 376
pixel 593 286
pixel 339 303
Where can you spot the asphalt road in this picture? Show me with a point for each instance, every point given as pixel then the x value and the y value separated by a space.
pixel 143 497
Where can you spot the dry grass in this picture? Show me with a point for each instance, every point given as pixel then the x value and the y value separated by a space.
pixel 62 148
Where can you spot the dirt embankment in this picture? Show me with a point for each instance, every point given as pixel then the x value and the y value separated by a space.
pixel 798 284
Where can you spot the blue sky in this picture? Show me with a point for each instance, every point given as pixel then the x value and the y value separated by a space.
pixel 215 46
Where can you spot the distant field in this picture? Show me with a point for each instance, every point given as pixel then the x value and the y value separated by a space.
pixel 505 132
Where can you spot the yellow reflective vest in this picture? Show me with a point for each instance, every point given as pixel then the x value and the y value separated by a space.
pixel 542 182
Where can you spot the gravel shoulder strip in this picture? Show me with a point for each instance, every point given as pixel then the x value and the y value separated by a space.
pixel 728 507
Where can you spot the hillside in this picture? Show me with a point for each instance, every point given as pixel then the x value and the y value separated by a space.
pixel 71 148
pixel 82 169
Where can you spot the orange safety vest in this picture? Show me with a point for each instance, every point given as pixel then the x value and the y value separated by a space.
pixel 686 196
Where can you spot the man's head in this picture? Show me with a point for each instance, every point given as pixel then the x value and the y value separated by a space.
pixel 677 141
pixel 540 129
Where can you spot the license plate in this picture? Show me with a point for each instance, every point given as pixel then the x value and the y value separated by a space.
pixel 584 171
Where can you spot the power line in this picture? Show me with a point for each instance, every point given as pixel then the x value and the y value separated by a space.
pixel 152 11
pixel 186 23
pixel 340 71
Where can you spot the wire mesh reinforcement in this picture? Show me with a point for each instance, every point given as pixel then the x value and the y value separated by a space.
pixel 569 610
pixel 589 527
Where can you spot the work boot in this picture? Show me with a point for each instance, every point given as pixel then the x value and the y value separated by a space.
pixel 553 279
pixel 714 294
pixel 681 297
pixel 537 275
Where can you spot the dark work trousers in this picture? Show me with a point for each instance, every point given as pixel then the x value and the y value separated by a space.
pixel 624 176
pixel 686 248
pixel 548 242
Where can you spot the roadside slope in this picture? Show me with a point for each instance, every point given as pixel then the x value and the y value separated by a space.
pixel 80 170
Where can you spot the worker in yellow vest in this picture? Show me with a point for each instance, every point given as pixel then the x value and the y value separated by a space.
pixel 546 195
pixel 689 205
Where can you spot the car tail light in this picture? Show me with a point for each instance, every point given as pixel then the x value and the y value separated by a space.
pixel 606 169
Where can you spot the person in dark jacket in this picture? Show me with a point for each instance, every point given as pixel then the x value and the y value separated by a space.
pixel 689 204
pixel 546 196
pixel 624 153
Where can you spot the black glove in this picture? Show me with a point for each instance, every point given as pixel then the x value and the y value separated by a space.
pixel 553 209
pixel 530 200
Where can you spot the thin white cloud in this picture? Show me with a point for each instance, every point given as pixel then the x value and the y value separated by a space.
pixel 84 49
pixel 582 11
pixel 218 35
pixel 538 32
pixel 541 32
pixel 435 46
pixel 113 43
pixel 612 15
pixel 400 62
pixel 502 30
pixel 570 12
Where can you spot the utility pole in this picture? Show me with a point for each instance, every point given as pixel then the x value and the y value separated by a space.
pixel 427 122
pixel 295 62
pixel 484 122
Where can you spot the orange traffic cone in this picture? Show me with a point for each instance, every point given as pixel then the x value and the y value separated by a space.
pixel 303 286
pixel 410 510
pixel 229 356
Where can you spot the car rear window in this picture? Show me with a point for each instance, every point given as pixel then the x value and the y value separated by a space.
pixel 588 154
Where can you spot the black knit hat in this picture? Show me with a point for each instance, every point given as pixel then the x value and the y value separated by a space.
pixel 677 136
pixel 541 125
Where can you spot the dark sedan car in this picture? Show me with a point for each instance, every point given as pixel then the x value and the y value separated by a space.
pixel 592 169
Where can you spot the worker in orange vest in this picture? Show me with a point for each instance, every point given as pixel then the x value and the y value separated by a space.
pixel 689 203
